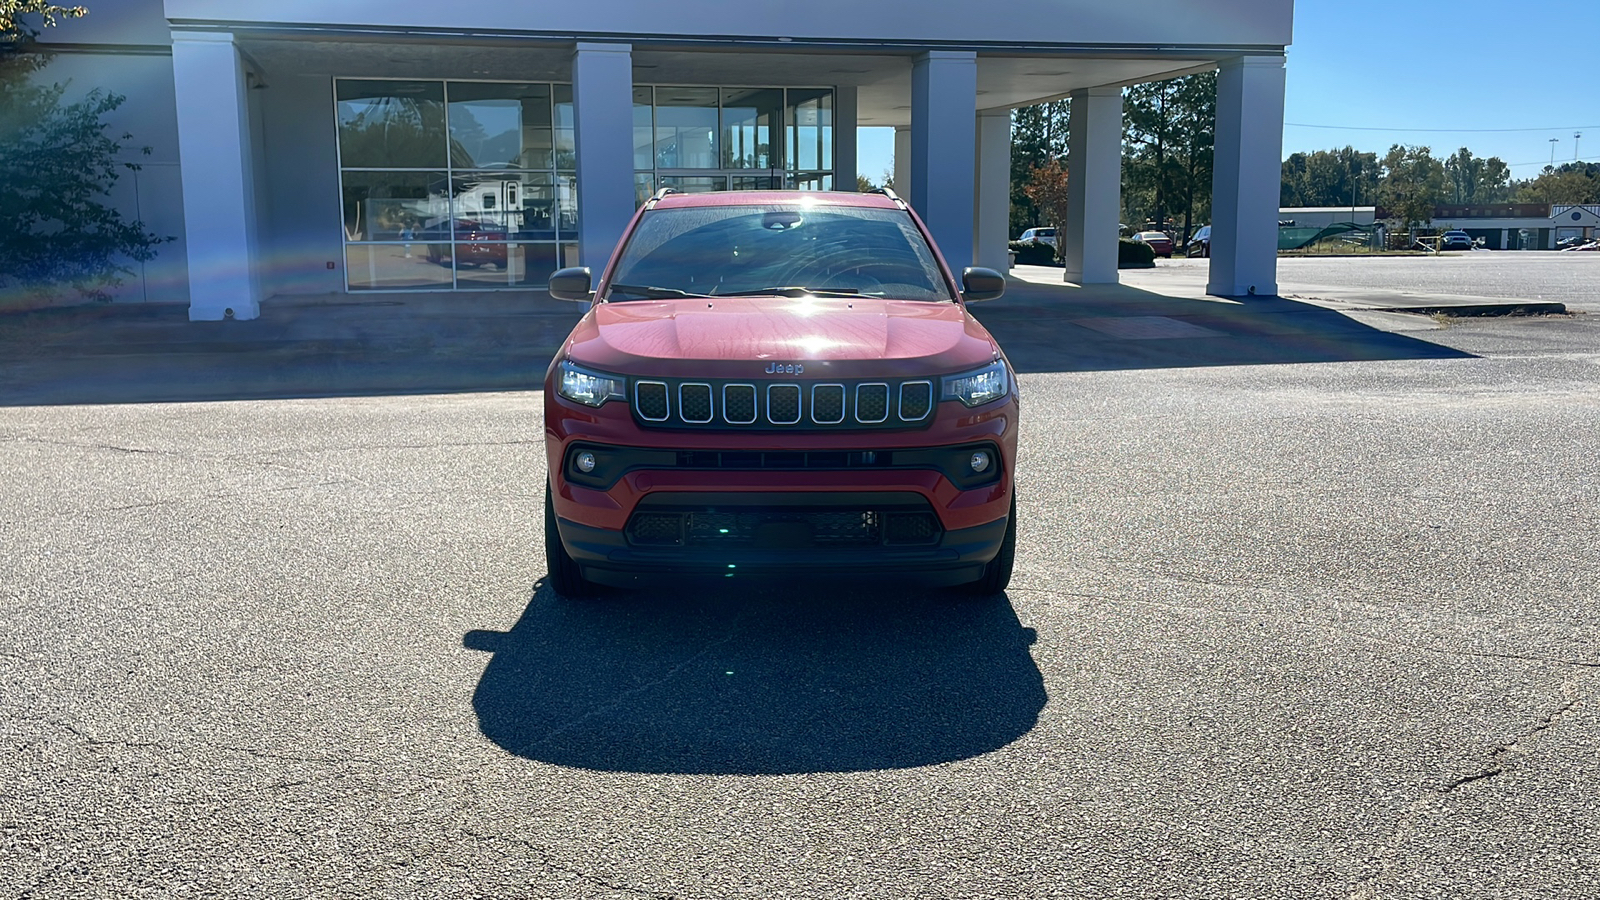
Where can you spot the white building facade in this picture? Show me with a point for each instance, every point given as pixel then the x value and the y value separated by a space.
pixel 303 147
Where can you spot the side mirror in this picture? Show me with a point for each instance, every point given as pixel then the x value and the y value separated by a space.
pixel 572 284
pixel 979 284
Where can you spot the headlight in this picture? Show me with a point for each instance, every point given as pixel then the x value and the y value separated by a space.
pixel 590 388
pixel 977 388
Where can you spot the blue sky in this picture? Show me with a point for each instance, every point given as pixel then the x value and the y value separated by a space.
pixel 1455 67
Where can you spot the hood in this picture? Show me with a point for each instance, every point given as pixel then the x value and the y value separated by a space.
pixel 740 337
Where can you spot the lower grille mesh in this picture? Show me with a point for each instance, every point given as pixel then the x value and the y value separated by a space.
pixel 777 528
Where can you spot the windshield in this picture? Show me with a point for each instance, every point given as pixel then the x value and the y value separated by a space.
pixel 789 249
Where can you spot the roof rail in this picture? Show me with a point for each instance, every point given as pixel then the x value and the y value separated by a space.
pixel 659 194
pixel 888 192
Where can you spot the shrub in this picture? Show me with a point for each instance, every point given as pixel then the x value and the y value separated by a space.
pixel 1132 254
pixel 1032 254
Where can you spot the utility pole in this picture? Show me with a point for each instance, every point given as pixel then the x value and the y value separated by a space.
pixel 1553 142
pixel 1576 136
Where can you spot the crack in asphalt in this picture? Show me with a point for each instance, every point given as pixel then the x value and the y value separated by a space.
pixel 96 741
pixel 1289 620
pixel 548 863
pixel 81 446
pixel 1501 754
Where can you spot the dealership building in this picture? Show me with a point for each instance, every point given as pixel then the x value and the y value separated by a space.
pixel 358 148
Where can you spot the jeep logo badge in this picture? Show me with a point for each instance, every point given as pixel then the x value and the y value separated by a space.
pixel 781 369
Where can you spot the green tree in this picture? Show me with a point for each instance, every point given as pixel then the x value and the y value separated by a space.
pixel 1343 177
pixel 1413 184
pixel 1474 180
pixel 1038 135
pixel 1168 149
pixel 57 168
pixel 1570 183
pixel 863 183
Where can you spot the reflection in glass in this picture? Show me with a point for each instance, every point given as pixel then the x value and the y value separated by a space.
pixel 391 124
pixel 751 125
pixel 517 205
pixel 810 127
pixel 500 125
pixel 811 181
pixel 566 128
pixel 382 206
pixel 753 182
pixel 695 184
pixel 506 266
pixel 393 267
pixel 644 184
pixel 643 129
pixel 686 128
pixel 566 205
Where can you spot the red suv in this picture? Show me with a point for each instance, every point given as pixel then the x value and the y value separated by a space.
pixel 769 382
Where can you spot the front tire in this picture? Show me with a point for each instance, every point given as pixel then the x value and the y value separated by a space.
pixel 566 578
pixel 997 573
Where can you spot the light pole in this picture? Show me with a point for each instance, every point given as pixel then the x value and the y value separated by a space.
pixel 1576 136
pixel 1553 142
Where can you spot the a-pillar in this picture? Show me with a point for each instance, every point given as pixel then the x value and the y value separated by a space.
pixel 1088 239
pixel 902 160
pixel 219 204
pixel 1245 181
pixel 944 97
pixel 992 224
pixel 602 112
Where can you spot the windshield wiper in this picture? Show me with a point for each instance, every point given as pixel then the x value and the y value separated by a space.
pixel 651 292
pixel 797 291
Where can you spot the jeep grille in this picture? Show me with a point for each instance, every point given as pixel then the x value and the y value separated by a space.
pixel 783 404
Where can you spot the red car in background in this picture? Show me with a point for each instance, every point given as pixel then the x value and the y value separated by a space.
pixel 1158 241
pixel 777 382
pixel 477 243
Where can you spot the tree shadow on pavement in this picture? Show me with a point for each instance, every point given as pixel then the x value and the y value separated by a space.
pixel 757 681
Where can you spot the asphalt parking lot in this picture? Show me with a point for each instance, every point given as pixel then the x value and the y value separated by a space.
pixel 1310 613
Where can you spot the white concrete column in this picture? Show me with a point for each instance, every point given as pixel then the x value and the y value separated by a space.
pixel 902 160
pixel 844 137
pixel 1247 177
pixel 1088 239
pixel 602 112
pixel 217 171
pixel 944 99
pixel 992 223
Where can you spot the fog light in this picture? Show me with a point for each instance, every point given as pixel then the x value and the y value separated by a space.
pixel 980 461
pixel 585 462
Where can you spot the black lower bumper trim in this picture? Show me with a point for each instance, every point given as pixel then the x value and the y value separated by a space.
pixel 607 557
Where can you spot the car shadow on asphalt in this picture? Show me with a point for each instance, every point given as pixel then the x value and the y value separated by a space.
pixel 1065 328
pixel 757 681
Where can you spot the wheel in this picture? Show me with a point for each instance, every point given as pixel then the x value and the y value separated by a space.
pixel 566 579
pixel 997 573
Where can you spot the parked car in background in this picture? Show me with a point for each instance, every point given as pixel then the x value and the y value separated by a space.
pixel 1200 243
pixel 1455 240
pixel 1158 241
pixel 1039 236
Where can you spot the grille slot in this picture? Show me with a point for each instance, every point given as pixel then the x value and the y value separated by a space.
pixel 916 400
pixel 694 402
pixel 650 399
pixel 783 404
pixel 872 403
pixel 738 404
pixel 827 404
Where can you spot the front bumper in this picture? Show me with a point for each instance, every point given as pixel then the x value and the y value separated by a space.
pixel 614 558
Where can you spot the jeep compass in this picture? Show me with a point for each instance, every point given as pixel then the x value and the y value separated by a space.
pixel 777 382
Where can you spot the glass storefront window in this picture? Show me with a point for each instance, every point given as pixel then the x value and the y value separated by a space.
pixel 500 125
pixel 391 124
pixel 810 126
pixel 381 206
pixel 644 128
pixel 695 184
pixel 752 123
pixel 395 267
pixel 686 128
pixel 566 129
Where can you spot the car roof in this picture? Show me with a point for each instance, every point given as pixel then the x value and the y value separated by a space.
pixel 778 198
